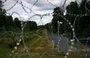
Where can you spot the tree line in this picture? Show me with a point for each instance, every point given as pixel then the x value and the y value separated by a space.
pixel 82 24
pixel 8 24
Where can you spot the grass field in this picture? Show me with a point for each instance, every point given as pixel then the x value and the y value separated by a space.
pixel 38 44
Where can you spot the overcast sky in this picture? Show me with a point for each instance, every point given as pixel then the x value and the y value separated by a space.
pixel 41 7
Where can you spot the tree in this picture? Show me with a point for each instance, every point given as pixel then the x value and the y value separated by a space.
pixel 82 22
pixel 9 24
pixel 2 17
pixel 55 19
pixel 17 23
pixel 6 22
pixel 58 16
pixel 73 8
pixel 82 9
pixel 30 26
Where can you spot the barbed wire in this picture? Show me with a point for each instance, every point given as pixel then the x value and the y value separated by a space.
pixel 72 26
pixel 12 6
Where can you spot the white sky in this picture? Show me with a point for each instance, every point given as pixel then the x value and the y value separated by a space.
pixel 41 7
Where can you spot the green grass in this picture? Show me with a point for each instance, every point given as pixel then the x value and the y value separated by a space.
pixel 39 46
pixel 4 52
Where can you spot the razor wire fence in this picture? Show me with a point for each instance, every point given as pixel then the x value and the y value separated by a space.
pixel 68 45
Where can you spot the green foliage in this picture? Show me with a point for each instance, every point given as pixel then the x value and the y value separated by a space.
pixel 73 8
pixel 8 26
pixel 8 39
pixel 17 24
pixel 4 52
pixel 6 22
pixel 58 13
pixel 82 7
pixel 30 26
pixel 56 18
pixel 82 25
